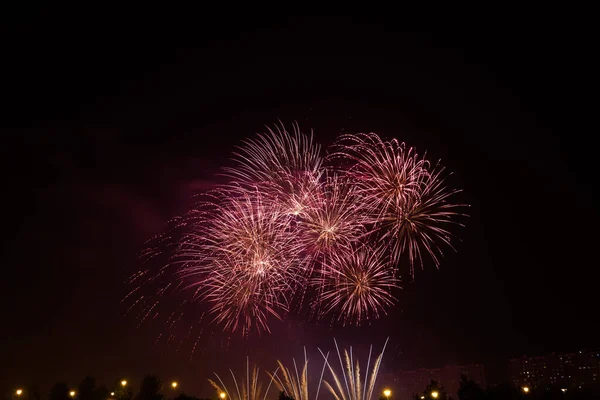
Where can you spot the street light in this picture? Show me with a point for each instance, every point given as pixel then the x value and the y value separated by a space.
pixel 435 394
pixel 525 389
pixel 19 392
pixel 174 385
pixel 72 393
pixel 123 383
pixel 387 393
pixel 112 393
pixel 222 395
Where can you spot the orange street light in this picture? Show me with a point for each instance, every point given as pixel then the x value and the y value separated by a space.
pixel 435 394
pixel 222 395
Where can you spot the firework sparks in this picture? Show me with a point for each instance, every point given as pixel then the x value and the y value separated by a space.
pixel 334 221
pixel 296 385
pixel 354 388
pixel 286 166
pixel 406 200
pixel 357 285
pixel 420 223
pixel 286 226
pixel 244 261
pixel 251 388
pixel 384 172
pixel 294 382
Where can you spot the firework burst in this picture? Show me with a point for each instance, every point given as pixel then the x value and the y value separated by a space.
pixel 407 204
pixel 422 222
pixel 244 259
pixel 357 286
pixel 384 172
pixel 334 219
pixel 286 166
pixel 287 227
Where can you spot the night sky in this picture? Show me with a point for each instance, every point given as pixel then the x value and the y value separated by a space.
pixel 114 124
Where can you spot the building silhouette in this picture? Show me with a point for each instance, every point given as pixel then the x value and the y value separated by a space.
pixel 572 370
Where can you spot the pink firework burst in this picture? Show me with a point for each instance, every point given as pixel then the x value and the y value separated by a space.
pixel 286 166
pixel 421 223
pixel 287 230
pixel 408 206
pixel 244 259
pixel 384 172
pixel 357 286
pixel 334 219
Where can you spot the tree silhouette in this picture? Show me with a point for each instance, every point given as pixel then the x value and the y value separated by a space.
pixel 59 391
pixel 503 392
pixel 101 393
pixel 123 392
pixel 34 392
pixel 433 387
pixel 86 388
pixel 150 389
pixel 183 396
pixel 469 389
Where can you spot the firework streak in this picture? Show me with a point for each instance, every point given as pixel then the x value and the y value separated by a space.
pixel 294 381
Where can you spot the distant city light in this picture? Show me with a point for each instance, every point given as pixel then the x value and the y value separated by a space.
pixel 19 392
pixel 123 382
pixel 222 395
pixel 387 392
pixel 174 385
pixel 72 393
pixel 525 389
pixel 435 394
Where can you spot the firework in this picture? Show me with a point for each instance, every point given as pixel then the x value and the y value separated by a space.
pixel 385 172
pixel 296 385
pixel 251 388
pixel 334 220
pixel 289 229
pixel 405 197
pixel 422 222
pixel 357 286
pixel 354 388
pixel 244 260
pixel 286 166
pixel 294 381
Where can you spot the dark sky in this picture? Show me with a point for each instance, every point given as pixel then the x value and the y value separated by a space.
pixel 113 124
